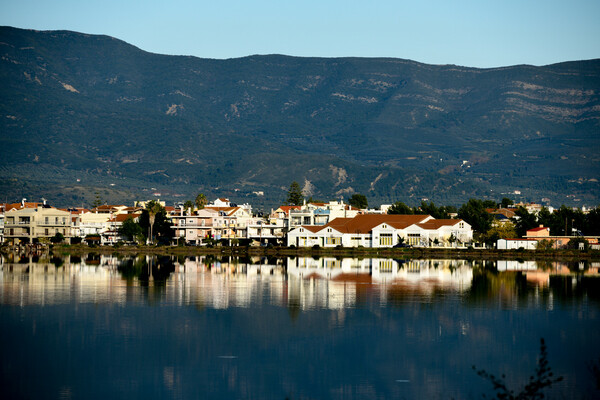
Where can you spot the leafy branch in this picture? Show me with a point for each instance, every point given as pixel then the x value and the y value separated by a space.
pixel 542 379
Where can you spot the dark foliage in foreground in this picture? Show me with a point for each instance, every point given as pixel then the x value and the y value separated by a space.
pixel 542 379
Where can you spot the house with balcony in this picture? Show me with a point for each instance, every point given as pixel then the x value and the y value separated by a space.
pixel 110 234
pixel 262 231
pixel 312 214
pixel 232 223
pixel 195 227
pixel 88 223
pixel 30 225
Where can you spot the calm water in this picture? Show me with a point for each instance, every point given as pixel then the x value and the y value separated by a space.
pixel 299 328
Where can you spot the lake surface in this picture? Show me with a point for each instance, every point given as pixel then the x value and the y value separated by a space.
pixel 98 327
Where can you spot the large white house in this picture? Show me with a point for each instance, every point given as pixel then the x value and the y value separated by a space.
pixel 381 230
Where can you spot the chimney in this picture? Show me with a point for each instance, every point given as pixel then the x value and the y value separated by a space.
pixel 23 202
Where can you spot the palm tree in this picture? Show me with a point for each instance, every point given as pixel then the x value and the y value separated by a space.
pixel 153 207
pixel 201 201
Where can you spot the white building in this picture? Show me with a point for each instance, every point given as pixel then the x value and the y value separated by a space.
pixel 377 230
pixel 508 244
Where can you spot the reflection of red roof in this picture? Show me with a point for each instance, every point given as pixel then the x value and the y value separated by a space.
pixel 313 275
pixel 357 278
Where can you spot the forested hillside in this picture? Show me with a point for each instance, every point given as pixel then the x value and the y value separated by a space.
pixel 88 114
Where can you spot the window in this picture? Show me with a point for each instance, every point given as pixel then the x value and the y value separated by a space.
pixel 414 238
pixel 333 240
pixel 385 239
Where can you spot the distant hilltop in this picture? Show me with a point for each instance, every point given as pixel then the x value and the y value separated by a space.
pixel 84 114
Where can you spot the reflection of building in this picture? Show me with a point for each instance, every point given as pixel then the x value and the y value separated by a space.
pixel 381 269
pixel 221 282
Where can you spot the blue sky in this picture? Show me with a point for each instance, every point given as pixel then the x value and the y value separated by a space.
pixel 471 33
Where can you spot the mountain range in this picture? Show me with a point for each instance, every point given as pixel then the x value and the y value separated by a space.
pixel 90 116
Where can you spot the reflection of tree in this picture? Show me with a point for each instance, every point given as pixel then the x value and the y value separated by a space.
pixel 158 269
pixel 565 289
pixel 489 285
pixel 294 309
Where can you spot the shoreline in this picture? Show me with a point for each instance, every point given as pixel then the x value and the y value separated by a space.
pixel 351 252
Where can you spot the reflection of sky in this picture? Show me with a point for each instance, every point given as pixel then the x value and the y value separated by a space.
pixel 82 331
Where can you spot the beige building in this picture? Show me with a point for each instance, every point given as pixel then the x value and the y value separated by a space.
pixel 28 225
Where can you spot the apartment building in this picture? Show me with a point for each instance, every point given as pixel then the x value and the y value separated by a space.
pixel 29 225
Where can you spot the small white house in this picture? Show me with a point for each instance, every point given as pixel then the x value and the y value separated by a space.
pixel 515 244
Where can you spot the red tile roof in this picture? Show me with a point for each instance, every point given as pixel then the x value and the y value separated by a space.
pixel 286 209
pixel 313 228
pixel 19 206
pixel 227 210
pixel 124 217
pixel 541 228
pixel 364 223
pixel 438 223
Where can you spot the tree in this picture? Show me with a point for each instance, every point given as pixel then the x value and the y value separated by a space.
pixel 525 221
pixel 153 207
pixel 188 205
pixel 201 201
pixel 358 200
pixel 506 202
pixel 592 223
pixel 489 204
pixel 97 201
pixel 474 213
pixel 399 208
pixel 575 243
pixel 442 212
pixel 295 197
pixel 57 238
pixel 545 244
pixel 503 231
pixel 130 229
